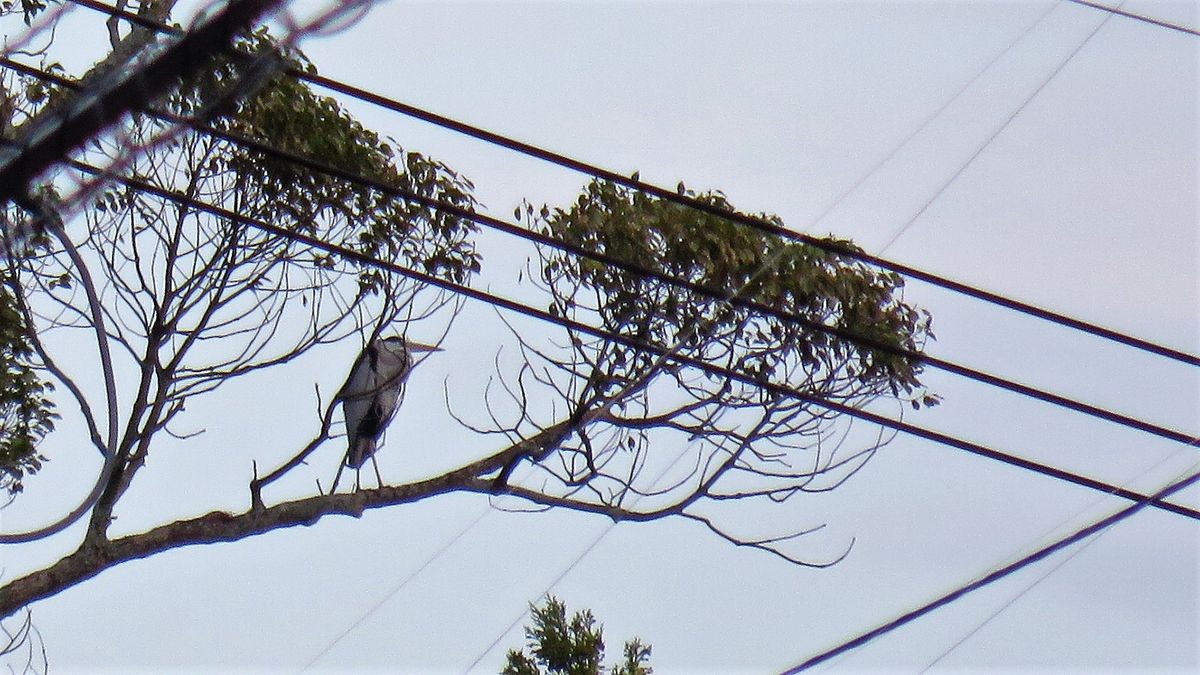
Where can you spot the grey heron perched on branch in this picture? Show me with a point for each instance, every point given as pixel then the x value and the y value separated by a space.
pixel 372 394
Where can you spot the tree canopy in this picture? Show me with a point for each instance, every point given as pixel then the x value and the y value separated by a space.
pixel 173 282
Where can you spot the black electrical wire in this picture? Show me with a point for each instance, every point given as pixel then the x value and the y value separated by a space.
pixel 575 249
pixel 641 345
pixel 691 202
pixel 1137 17
pixel 994 576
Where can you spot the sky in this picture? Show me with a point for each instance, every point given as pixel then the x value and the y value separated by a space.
pixel 1084 202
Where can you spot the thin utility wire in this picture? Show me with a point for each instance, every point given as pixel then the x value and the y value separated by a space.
pixel 673 195
pixel 1137 17
pixel 641 345
pixel 587 550
pixel 645 272
pixel 1000 573
pixel 383 600
pixel 1004 607
pixel 999 130
pixel 409 578
pixel 991 616
pixel 933 116
pixel 1011 601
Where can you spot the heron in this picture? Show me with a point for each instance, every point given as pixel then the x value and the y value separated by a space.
pixel 372 393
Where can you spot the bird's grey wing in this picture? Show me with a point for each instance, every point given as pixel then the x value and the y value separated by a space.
pixel 356 397
pixel 393 370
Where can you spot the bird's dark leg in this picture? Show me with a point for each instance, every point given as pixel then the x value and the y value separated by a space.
pixel 378 478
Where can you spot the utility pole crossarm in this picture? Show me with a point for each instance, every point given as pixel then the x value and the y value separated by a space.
pixel 51 138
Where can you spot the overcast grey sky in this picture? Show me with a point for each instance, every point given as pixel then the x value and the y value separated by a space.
pixel 1086 203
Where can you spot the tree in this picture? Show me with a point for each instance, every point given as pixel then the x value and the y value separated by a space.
pixel 628 409
pixel 177 288
pixel 559 647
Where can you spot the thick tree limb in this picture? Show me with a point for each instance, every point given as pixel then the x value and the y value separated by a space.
pixel 96 556
pixel 212 528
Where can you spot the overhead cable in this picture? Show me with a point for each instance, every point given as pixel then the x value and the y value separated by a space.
pixel 635 343
pixel 993 136
pixel 1061 526
pixel 673 195
pixel 996 575
pixel 645 272
pixel 1137 17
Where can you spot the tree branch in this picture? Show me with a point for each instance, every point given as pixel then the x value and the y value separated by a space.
pixel 220 526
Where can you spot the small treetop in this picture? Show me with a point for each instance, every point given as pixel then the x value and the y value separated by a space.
pixel 575 647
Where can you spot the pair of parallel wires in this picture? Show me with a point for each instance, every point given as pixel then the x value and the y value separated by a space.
pixel 1140 500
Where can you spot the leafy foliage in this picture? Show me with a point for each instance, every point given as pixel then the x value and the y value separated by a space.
pixel 575 647
pixel 26 414
pixel 729 258
pixel 289 116
pixel 630 406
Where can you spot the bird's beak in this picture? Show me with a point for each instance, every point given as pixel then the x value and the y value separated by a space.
pixel 418 347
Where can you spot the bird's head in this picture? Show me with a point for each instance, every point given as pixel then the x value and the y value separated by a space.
pixel 396 343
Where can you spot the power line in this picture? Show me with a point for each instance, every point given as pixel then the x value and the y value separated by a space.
pixel 587 550
pixel 398 587
pixel 645 272
pixel 996 575
pixel 691 202
pixel 1009 603
pixel 935 114
pixel 641 345
pixel 1138 17
pixel 1053 569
